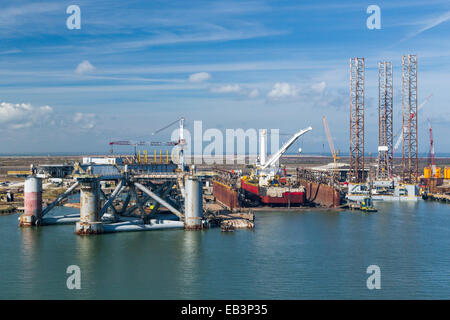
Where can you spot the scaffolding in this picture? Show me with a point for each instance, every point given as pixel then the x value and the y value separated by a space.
pixel 410 165
pixel 356 172
pixel 385 119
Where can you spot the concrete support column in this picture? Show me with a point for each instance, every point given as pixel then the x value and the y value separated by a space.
pixel 89 208
pixel 193 204
pixel 32 202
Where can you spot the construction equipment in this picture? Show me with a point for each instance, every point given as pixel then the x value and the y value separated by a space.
pixel 356 173
pixel 264 184
pixel 385 120
pixel 270 166
pixel 432 154
pixel 410 162
pixel 402 130
pixel 180 143
pixel 330 143
pixel 333 151
pixel 141 143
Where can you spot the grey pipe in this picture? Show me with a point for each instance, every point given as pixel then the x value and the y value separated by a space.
pixel 153 225
pixel 67 219
pixel 113 195
pixel 61 197
pixel 161 201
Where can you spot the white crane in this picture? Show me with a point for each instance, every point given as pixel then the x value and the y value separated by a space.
pixel 432 154
pixel 180 143
pixel 268 171
pixel 404 130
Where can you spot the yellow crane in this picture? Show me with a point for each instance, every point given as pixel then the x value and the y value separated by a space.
pixel 330 143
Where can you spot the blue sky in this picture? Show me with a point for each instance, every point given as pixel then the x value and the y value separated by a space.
pixel 135 66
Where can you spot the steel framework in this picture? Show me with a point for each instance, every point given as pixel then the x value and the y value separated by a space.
pixel 356 172
pixel 410 166
pixel 385 120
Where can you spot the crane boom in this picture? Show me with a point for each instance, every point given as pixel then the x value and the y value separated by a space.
pixel 432 154
pixel 274 158
pixel 167 126
pixel 142 143
pixel 403 130
pixel 330 140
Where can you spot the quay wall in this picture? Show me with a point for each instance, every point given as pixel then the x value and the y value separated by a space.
pixel 322 194
pixel 225 195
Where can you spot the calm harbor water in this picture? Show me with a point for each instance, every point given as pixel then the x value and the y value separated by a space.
pixel 295 255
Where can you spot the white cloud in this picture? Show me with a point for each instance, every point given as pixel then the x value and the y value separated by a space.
pixel 24 115
pixel 84 67
pixel 283 90
pixel 84 120
pixel 319 87
pixel 20 14
pixel 229 88
pixel 199 77
pixel 254 93
pixel 236 89
pixel 77 117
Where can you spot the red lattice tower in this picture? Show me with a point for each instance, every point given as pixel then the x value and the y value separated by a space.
pixel 356 172
pixel 410 163
pixel 385 120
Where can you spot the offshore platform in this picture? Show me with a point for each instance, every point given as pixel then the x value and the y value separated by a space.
pixel 141 190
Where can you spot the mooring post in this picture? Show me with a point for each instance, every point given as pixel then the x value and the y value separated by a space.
pixel 89 207
pixel 193 203
pixel 32 202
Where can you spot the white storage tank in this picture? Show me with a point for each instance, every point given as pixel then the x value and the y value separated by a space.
pixel 193 203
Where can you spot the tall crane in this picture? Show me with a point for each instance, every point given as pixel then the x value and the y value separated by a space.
pixel 269 169
pixel 432 154
pixel 180 143
pixel 402 131
pixel 330 142
pixel 140 143
pixel 276 156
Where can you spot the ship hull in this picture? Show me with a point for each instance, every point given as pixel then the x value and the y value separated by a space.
pixel 261 194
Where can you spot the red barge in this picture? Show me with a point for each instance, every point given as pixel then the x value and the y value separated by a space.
pixel 273 195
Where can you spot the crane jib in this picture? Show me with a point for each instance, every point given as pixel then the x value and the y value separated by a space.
pixel 274 158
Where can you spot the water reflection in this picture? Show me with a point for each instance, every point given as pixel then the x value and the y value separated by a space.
pixel 29 252
pixel 190 251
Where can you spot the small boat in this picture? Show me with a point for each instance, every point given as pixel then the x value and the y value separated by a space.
pixel 367 205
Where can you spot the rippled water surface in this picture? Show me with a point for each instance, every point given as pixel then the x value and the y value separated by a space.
pixel 310 254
